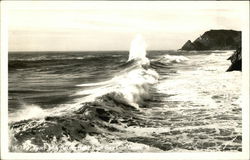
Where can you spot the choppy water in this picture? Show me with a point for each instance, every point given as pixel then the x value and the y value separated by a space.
pixel 100 102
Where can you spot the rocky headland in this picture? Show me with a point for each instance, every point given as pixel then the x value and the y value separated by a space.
pixel 219 40
pixel 215 40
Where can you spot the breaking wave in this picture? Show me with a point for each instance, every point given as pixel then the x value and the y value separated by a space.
pixel 101 110
pixel 172 59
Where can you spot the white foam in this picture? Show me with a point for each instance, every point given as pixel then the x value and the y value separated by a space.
pixel 132 85
pixel 202 83
pixel 28 112
pixel 173 59
pixel 130 88
pixel 92 84
pixel 138 50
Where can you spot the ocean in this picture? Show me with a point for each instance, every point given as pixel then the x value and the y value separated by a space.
pixel 116 101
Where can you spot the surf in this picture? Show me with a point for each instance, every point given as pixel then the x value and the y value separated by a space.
pixel 131 85
pixel 103 108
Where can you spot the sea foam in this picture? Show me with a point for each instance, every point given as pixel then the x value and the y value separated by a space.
pixel 112 101
pixel 132 84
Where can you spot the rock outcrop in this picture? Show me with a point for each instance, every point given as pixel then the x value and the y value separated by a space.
pixel 236 60
pixel 188 45
pixel 215 40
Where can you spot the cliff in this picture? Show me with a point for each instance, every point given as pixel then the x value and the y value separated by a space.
pixel 236 60
pixel 215 40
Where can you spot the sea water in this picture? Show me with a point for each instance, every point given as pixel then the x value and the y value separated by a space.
pixel 113 101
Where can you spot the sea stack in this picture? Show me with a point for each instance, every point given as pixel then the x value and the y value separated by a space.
pixel 215 40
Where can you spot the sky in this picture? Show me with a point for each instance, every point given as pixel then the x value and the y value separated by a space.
pixel 112 25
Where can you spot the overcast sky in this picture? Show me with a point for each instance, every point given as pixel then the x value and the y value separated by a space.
pixel 79 25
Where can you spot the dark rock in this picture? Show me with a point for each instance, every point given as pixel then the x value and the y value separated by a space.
pixel 215 40
pixel 188 46
pixel 236 59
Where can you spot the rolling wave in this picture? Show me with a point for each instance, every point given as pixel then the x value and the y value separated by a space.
pixel 133 109
pixel 107 105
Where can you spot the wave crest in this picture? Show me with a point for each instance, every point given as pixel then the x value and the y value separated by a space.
pixel 173 59
pixel 103 109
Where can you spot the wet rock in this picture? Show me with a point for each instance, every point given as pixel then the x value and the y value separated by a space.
pixel 236 60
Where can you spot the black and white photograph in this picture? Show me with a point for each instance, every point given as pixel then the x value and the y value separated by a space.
pixel 125 77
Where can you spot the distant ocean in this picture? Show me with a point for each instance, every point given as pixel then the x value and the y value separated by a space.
pixel 116 102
